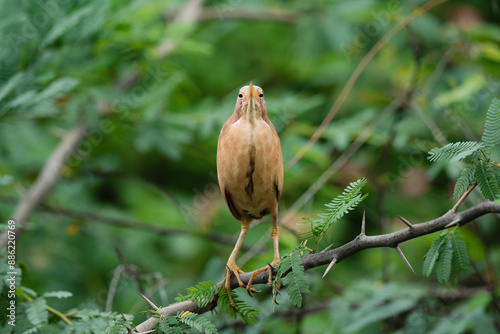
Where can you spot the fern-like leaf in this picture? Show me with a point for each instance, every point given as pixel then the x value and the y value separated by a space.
pixel 488 180
pixel 460 260
pixel 443 265
pixel 465 180
pixel 454 151
pixel 202 293
pixel 247 313
pixel 336 209
pixel 64 25
pixel 432 255
pixel 119 326
pixel 169 325
pixel 197 321
pixel 491 134
pixel 295 279
pixel 14 81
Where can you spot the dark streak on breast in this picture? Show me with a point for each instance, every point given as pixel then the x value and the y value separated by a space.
pixel 250 187
pixel 277 190
pixel 231 205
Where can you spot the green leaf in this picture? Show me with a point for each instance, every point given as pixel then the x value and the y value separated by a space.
pixel 197 321
pixel 454 151
pixel 37 311
pixel 202 293
pixel 460 260
pixel 247 313
pixel 169 325
pixel 295 279
pixel 443 265
pixel 465 180
pixel 64 25
pixel 488 180
pixel 120 326
pixel 432 256
pixel 336 209
pixel 491 134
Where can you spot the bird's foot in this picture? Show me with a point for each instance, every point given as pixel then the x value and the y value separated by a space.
pixel 270 266
pixel 232 268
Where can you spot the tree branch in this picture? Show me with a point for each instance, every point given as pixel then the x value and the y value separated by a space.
pixel 46 179
pixel 360 243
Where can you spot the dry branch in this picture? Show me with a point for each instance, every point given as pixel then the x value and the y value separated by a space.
pixel 46 179
pixel 360 243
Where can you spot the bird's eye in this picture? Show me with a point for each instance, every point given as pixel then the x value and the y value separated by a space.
pixel 240 95
pixel 261 95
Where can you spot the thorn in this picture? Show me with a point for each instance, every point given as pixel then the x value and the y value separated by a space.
pixel 453 223
pixel 363 223
pixel 404 259
pixel 271 266
pixel 406 221
pixel 462 198
pixel 327 248
pixel 329 267
pixel 149 302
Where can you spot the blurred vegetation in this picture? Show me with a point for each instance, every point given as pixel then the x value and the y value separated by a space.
pixel 154 88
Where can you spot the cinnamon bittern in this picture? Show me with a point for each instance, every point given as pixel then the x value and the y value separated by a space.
pixel 250 173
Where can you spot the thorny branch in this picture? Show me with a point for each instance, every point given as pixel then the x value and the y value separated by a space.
pixel 361 242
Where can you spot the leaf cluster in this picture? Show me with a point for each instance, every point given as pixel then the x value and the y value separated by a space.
pixel 481 169
pixel 336 209
pixel 291 270
pixel 203 293
pixel 182 322
pixel 447 254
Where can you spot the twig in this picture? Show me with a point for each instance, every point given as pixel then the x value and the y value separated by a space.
pixel 283 16
pixel 357 72
pixel 132 224
pixel 46 179
pixel 189 13
pixel 358 244
pixel 339 163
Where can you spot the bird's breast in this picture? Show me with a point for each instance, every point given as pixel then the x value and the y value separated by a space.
pixel 250 163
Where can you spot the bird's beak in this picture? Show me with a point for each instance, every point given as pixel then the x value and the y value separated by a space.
pixel 251 92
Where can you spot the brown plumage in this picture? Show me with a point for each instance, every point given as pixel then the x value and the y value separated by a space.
pixel 250 172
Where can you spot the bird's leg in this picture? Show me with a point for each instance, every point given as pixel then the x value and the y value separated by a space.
pixel 275 238
pixel 231 266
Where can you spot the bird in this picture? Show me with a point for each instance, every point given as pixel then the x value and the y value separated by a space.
pixel 250 175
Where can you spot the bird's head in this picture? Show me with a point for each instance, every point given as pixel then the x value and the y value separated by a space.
pixel 250 103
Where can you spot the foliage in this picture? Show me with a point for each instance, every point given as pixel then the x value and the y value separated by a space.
pixel 120 326
pixel 140 192
pixel 34 314
pixel 247 313
pixel 182 322
pixel 291 270
pixel 203 293
pixel 336 209
pixel 369 303
pixel 447 254
pixel 480 169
